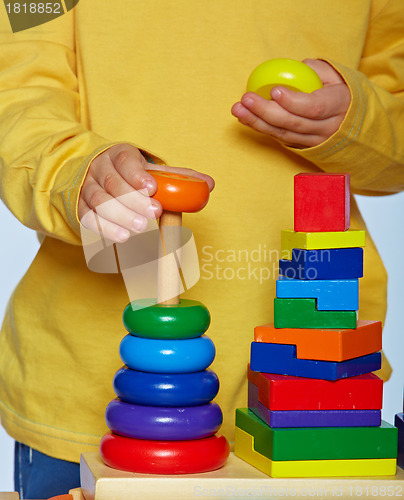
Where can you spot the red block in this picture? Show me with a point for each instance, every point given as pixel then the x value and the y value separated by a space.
pixel 322 202
pixel 283 392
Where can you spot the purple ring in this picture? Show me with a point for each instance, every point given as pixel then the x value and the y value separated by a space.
pixel 163 423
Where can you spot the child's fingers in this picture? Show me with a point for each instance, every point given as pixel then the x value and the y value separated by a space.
pixel 131 165
pixel 275 115
pixel 331 100
pixel 328 75
pixel 247 117
pixel 97 224
pixel 115 209
pixel 286 136
pixel 271 119
pixel 105 176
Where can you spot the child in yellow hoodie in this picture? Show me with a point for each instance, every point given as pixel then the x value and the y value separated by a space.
pixel 83 95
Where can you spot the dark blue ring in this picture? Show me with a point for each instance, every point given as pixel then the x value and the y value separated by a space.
pixel 163 389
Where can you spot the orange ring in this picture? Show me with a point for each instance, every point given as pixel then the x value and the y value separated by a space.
pixel 180 193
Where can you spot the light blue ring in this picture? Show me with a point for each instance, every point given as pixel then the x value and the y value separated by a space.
pixel 167 356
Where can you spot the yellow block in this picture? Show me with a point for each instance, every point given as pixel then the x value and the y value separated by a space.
pixel 316 241
pixel 244 449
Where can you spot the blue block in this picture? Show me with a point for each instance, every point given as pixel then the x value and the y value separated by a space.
pixel 331 295
pixel 281 359
pixel 399 423
pixel 329 264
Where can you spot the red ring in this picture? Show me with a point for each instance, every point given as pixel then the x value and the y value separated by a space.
pixel 180 193
pixel 164 457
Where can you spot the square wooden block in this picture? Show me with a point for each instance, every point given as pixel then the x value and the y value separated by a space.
pixel 322 202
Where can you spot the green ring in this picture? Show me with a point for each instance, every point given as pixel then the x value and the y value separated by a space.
pixel 186 320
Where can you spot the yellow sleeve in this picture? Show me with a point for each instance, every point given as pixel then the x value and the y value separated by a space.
pixel 370 141
pixel 45 149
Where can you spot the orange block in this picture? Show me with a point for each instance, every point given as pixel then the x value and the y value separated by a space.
pixel 326 345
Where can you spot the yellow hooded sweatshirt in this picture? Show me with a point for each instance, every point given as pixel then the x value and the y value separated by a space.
pixel 163 75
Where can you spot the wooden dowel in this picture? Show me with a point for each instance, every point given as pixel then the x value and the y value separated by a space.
pixel 168 278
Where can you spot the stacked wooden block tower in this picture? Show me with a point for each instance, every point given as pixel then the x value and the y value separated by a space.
pixel 399 423
pixel 314 405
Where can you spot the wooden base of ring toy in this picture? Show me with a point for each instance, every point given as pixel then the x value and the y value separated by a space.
pixel 75 494
pixel 164 457
pixel 237 478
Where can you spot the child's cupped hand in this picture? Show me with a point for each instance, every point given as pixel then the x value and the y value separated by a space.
pixel 297 119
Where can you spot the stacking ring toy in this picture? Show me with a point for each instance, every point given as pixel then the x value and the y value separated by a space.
pixel 180 193
pixel 288 73
pixel 167 356
pixel 164 457
pixel 145 318
pixel 161 423
pixel 160 389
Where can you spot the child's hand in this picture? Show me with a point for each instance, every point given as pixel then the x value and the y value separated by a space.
pixel 294 118
pixel 114 197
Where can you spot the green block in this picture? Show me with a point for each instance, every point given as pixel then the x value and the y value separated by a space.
pixel 318 443
pixel 302 313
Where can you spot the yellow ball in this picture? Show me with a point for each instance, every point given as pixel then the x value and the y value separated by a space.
pixel 288 73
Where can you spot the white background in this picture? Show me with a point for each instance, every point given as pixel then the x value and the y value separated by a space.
pixel 384 217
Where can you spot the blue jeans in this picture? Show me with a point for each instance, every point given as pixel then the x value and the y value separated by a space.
pixel 39 476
